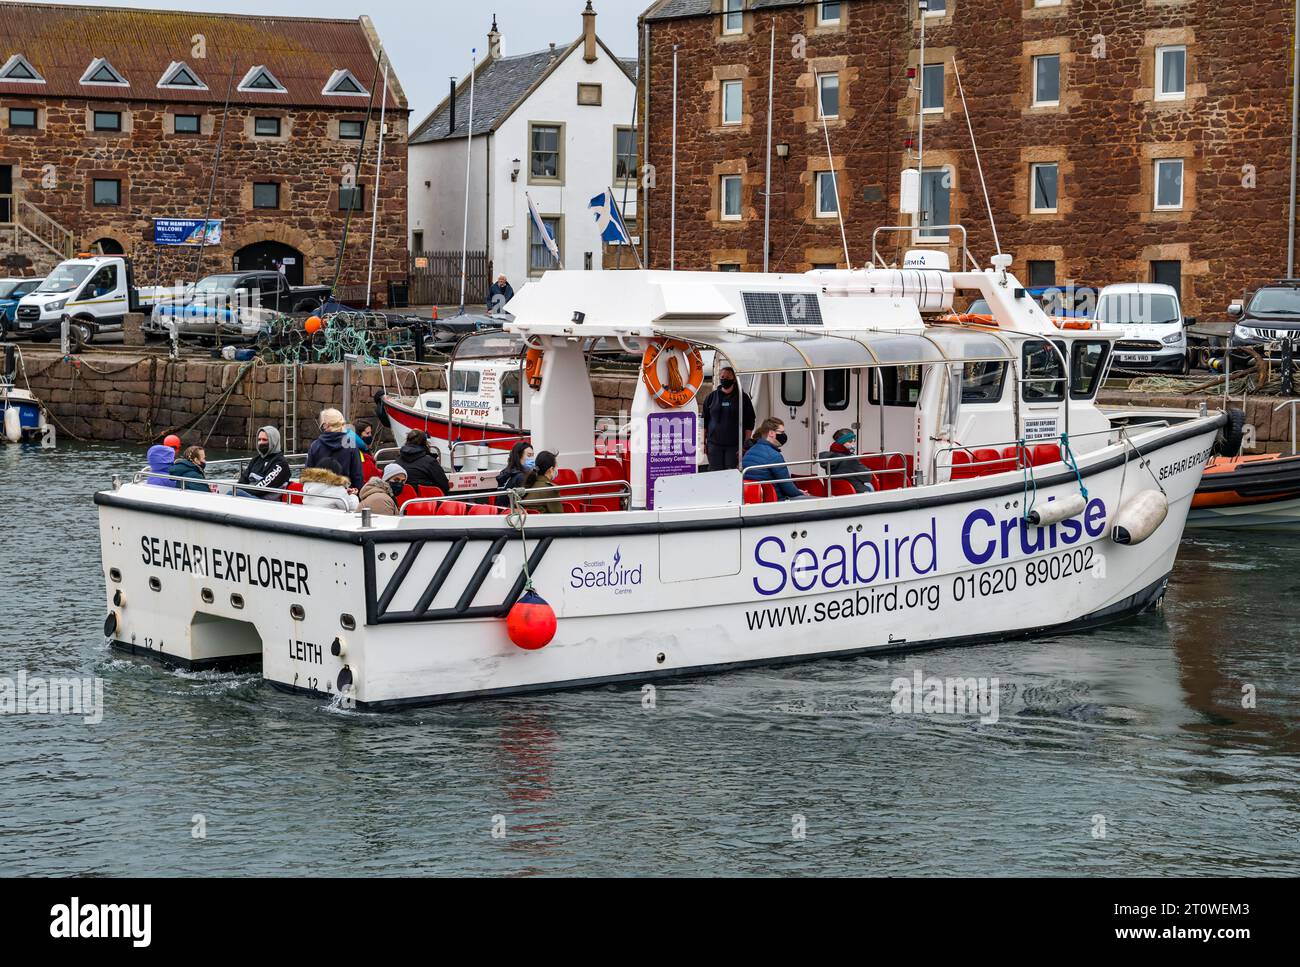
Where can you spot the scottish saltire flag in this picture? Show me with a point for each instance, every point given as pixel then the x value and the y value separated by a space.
pixel 609 220
pixel 540 228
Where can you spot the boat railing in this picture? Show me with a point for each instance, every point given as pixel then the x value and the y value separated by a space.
pixel 1292 404
pixel 818 465
pixel 1120 432
pixel 231 488
pixel 486 443
pixel 594 490
pixel 296 461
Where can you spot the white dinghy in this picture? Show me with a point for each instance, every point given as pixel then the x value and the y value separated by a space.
pixel 1005 505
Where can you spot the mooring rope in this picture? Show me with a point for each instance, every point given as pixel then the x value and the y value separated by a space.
pixel 1073 463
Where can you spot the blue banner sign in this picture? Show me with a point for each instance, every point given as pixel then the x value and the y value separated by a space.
pixel 186 231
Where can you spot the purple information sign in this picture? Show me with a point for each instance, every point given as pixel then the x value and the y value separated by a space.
pixel 670 448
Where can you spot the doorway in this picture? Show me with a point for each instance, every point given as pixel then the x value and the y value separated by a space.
pixel 6 193
pixel 270 256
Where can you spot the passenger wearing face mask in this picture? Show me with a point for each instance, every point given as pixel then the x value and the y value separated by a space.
pixel 723 410
pixel 521 460
pixel 189 469
pixel 763 462
pixel 362 435
pixel 269 468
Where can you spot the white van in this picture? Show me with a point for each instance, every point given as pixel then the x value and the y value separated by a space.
pixel 1151 318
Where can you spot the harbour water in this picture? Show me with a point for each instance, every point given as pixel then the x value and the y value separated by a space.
pixel 1125 751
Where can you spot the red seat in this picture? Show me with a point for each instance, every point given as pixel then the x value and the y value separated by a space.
pixel 841 488
pixel 893 474
pixel 1018 455
pixel 565 477
pixel 420 508
pixel 815 486
pixel 294 488
pixel 988 461
pixel 480 510
pixel 572 506
pixel 451 508
pixel 769 493
pixel 1045 453
pixel 606 496
pixel 961 465
pixel 753 493
pixel 426 491
pixel 614 466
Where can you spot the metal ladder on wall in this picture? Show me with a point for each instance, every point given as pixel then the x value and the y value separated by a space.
pixel 290 421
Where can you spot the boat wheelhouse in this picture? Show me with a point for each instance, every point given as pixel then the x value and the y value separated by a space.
pixel 1006 504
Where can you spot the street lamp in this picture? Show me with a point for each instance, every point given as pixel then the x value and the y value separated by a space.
pixel 782 150
pixel 514 170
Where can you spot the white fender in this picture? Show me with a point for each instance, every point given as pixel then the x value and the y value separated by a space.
pixel 13 425
pixel 1055 511
pixel 1139 516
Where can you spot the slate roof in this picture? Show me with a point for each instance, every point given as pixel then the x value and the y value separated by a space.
pixel 676 9
pixel 302 53
pixel 499 86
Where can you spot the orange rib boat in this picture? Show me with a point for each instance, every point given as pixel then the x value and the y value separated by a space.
pixel 1260 491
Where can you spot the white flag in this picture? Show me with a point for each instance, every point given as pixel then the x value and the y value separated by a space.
pixel 542 231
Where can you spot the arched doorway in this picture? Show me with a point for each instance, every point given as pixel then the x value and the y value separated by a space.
pixel 108 246
pixel 272 256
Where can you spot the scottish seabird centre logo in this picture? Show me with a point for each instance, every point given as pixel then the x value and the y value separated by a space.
pixel 607 574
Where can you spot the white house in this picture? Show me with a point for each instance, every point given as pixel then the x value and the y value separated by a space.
pixel 557 125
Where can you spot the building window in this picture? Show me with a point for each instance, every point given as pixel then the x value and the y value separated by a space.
pixel 342 82
pixel 1042 273
pixel 266 127
pixel 545 161
pixel 733 17
pixel 827 195
pixel 730 198
pixel 185 124
pixel 539 256
pixel 351 130
pixel 1171 73
pixel 19 70
pixel 22 117
pixel 108 121
pixel 107 191
pixel 1047 3
pixel 589 95
pixel 624 154
pixel 829 12
pixel 732 98
pixel 179 76
pixel 1043 180
pixel 932 88
pixel 1168 272
pixel 354 198
pixel 417 241
pixel 728 266
pixel 828 95
pixel 266 194
pixel 260 79
pixel 936 202
pixel 1047 80
pixel 101 71
pixel 937 8
pixel 1169 184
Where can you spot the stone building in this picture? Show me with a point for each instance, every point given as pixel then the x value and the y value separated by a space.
pixel 1121 140
pixel 111 122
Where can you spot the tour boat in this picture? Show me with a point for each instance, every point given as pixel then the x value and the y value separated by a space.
pixel 1005 504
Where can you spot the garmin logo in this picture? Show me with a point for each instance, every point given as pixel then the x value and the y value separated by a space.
pixel 113 921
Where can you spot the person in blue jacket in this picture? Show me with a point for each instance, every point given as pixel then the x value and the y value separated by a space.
pixel 161 457
pixel 333 446
pixel 763 462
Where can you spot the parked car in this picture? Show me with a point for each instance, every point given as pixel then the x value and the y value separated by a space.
pixel 240 303
pixel 1150 316
pixel 1268 318
pixel 11 291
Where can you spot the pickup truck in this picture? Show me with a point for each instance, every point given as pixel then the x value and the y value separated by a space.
pixel 94 291
pixel 239 303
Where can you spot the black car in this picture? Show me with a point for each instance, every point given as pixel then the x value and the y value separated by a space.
pixel 1268 320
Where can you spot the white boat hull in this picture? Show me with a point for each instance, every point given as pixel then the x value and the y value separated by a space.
pixel 638 595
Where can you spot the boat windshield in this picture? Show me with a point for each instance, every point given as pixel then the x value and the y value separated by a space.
pixel 65 278
pixel 1276 302
pixel 1137 309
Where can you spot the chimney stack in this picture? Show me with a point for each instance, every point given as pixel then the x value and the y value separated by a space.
pixel 589 34
pixel 494 41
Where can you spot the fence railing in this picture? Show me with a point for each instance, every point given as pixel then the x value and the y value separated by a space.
pixel 435 278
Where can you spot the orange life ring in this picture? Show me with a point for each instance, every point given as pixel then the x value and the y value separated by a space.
pixel 533 367
pixel 678 391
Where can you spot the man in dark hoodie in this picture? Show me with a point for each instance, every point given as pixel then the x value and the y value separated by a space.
pixel 269 468
pixel 422 467
pixel 333 446
pixel 189 468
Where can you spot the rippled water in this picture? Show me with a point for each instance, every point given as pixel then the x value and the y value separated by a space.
pixel 1141 723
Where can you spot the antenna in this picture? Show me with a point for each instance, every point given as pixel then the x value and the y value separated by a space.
pixel 469 147
pixel 835 185
pixel 978 166
pixel 767 158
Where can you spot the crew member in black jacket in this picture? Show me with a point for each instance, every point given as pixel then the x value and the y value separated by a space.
pixel 269 468
pixel 722 415
pixel 423 469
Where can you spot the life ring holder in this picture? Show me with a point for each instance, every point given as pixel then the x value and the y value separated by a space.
pixel 670 395
pixel 533 363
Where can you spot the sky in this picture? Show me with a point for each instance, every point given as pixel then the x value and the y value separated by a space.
pixel 430 41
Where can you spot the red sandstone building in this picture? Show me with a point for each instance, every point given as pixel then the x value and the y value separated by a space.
pixel 111 121
pixel 1121 140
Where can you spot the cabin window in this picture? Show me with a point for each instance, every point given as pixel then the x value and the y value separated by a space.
pixel 510 384
pixel 1087 360
pixel 102 283
pixel 901 385
pixel 794 389
pixel 465 380
pixel 1041 371
pixel 835 389
pixel 982 382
